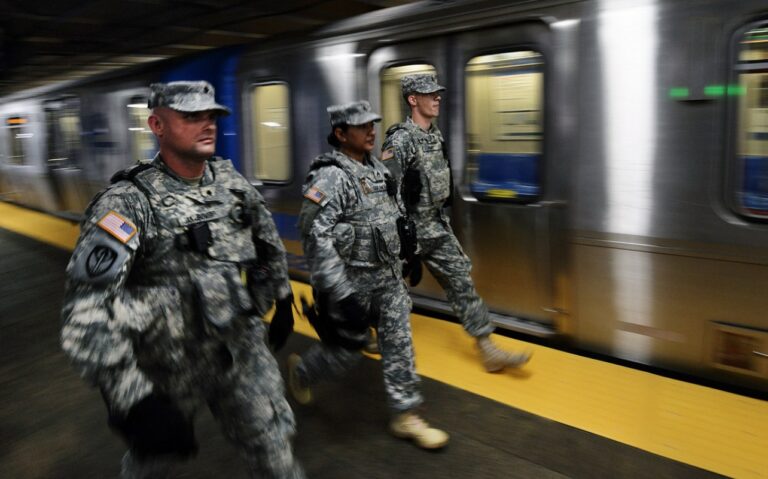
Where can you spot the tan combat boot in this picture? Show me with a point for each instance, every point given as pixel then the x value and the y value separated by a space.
pixel 495 359
pixel 409 425
pixel 300 392
pixel 372 346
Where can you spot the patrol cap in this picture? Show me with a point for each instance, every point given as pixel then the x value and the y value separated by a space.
pixel 356 113
pixel 424 83
pixel 185 96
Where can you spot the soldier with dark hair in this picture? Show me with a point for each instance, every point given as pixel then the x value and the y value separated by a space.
pixel 414 152
pixel 349 228
pixel 156 313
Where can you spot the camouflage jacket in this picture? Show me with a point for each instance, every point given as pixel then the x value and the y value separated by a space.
pixel 143 306
pixel 408 146
pixel 348 219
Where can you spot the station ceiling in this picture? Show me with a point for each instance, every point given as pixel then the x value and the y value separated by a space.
pixel 47 41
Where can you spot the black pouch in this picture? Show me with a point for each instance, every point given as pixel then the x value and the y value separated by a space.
pixel 406 229
pixel 199 237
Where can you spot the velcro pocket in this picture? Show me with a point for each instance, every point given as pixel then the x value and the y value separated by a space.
pixel 153 317
pixel 387 242
pixel 344 239
pixel 220 295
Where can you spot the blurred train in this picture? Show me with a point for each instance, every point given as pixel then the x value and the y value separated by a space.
pixel 610 157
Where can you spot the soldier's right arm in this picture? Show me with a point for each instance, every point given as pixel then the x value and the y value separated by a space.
pixel 97 314
pixel 397 152
pixel 326 195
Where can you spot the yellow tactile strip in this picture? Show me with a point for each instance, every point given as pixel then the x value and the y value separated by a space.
pixel 707 428
pixel 42 227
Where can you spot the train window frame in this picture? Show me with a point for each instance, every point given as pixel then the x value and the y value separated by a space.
pixel 137 113
pixel 524 193
pixel 63 147
pixel 253 145
pixel 736 92
pixel 9 124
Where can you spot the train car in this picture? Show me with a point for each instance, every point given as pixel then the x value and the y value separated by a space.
pixel 610 157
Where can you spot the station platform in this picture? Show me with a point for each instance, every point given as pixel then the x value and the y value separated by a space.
pixel 563 415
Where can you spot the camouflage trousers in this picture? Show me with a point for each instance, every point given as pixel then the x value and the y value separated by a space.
pixel 248 401
pixel 386 297
pixel 447 262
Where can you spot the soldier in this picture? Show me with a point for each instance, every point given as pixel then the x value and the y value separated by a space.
pixel 348 223
pixel 414 152
pixel 156 314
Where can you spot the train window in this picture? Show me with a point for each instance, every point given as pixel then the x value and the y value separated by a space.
pixel 393 108
pixel 141 140
pixel 752 121
pixel 63 126
pixel 271 132
pixel 504 125
pixel 19 134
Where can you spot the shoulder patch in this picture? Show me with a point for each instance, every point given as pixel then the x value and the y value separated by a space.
pixel 315 194
pixel 387 154
pixel 118 226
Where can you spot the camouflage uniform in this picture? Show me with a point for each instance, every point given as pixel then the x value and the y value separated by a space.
pixel 350 239
pixel 147 313
pixel 408 146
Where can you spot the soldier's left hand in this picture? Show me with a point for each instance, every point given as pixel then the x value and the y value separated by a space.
pixel 412 270
pixel 282 323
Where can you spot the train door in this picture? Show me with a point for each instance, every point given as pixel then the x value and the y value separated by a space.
pixel 508 210
pixel 24 176
pixel 271 85
pixel 62 119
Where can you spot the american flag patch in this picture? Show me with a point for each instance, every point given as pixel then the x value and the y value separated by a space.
pixel 117 226
pixel 314 194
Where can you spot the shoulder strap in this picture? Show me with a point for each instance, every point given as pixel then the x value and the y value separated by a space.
pixel 130 173
pixel 448 201
pixel 395 128
pixel 324 161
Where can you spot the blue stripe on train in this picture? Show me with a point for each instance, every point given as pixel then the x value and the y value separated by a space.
pixel 219 68
pixel 754 194
pixel 506 175
pixel 287 226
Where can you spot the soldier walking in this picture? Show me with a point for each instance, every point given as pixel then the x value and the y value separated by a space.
pixel 414 153
pixel 348 223
pixel 156 314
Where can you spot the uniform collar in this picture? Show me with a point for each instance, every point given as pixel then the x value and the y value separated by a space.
pixel 207 179
pixel 409 121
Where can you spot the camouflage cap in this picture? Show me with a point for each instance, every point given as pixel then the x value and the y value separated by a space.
pixel 420 83
pixel 355 113
pixel 185 96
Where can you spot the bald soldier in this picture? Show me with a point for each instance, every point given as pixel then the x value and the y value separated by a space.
pixel 156 314
pixel 414 152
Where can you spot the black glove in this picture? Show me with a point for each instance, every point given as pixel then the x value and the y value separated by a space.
pixel 411 191
pixel 353 313
pixel 154 426
pixel 412 269
pixel 282 323
pixel 347 331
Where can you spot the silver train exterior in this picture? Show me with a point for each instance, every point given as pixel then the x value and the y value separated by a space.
pixel 610 159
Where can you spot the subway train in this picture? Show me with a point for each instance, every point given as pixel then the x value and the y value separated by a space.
pixel 610 157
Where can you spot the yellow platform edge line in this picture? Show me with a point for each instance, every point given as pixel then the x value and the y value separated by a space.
pixel 40 226
pixel 707 428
